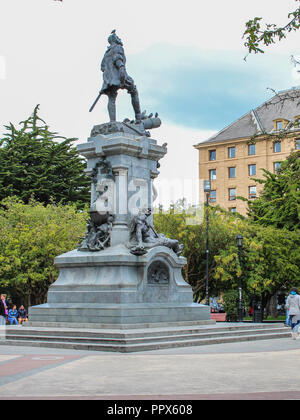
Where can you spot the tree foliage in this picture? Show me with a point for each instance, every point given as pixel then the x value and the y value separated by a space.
pixel 223 228
pixel 231 302
pixel 270 256
pixel 31 236
pixel 34 164
pixel 270 261
pixel 279 203
pixel 258 37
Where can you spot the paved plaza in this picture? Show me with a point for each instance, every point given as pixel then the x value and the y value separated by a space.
pixel 255 370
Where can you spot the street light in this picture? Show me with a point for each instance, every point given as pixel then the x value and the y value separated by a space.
pixel 239 240
pixel 207 189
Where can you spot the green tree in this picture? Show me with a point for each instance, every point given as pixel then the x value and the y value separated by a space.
pixel 31 236
pixel 258 37
pixel 173 224
pixel 178 223
pixel 270 261
pixel 231 302
pixel 279 203
pixel 34 164
pixel 270 257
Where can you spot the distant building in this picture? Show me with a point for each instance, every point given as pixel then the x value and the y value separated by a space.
pixel 235 154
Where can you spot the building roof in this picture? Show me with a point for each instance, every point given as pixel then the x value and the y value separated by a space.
pixel 284 105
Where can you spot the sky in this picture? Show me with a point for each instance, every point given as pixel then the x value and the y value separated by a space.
pixel 186 58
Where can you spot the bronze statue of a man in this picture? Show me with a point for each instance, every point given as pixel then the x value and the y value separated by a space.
pixel 115 77
pixel 143 235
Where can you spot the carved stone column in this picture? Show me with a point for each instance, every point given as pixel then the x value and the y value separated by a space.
pixel 120 230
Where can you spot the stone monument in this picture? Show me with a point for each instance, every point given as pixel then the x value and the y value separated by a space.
pixel 123 272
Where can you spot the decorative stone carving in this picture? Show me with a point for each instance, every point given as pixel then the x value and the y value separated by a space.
pixel 107 128
pixel 158 273
pixel 127 126
pixel 143 236
pixel 105 169
pixel 97 236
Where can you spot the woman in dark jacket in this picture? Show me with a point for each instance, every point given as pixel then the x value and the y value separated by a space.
pixel 22 314
pixel 2 310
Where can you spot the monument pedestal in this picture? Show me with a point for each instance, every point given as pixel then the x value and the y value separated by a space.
pixel 123 272
pixel 130 280
pixel 117 288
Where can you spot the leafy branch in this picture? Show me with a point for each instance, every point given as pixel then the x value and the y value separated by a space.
pixel 257 37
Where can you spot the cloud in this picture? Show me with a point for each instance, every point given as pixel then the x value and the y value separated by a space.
pixel 179 168
pixel 206 90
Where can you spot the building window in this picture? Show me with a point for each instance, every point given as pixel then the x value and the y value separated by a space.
pixel 277 147
pixel 213 196
pixel 252 192
pixel 232 209
pixel 297 141
pixel 212 154
pixel 232 172
pixel 279 125
pixel 231 152
pixel 232 194
pixel 213 174
pixel 276 166
pixel 251 149
pixel 252 170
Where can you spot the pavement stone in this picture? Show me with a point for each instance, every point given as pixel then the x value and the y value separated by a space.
pixel 260 370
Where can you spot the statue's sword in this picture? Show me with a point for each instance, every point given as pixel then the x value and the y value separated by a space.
pixel 96 100
pixel 153 230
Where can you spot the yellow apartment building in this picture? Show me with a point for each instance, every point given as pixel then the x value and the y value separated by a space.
pixel 239 152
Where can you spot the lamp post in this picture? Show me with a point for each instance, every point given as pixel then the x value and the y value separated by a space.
pixel 239 240
pixel 207 189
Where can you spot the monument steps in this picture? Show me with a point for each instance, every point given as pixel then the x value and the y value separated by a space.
pixel 138 333
pixel 141 339
pixel 149 331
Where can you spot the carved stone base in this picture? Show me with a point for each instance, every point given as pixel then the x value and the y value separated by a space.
pixel 115 287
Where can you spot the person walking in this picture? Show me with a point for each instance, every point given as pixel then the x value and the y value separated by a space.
pixel 293 306
pixel 297 326
pixel 287 318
